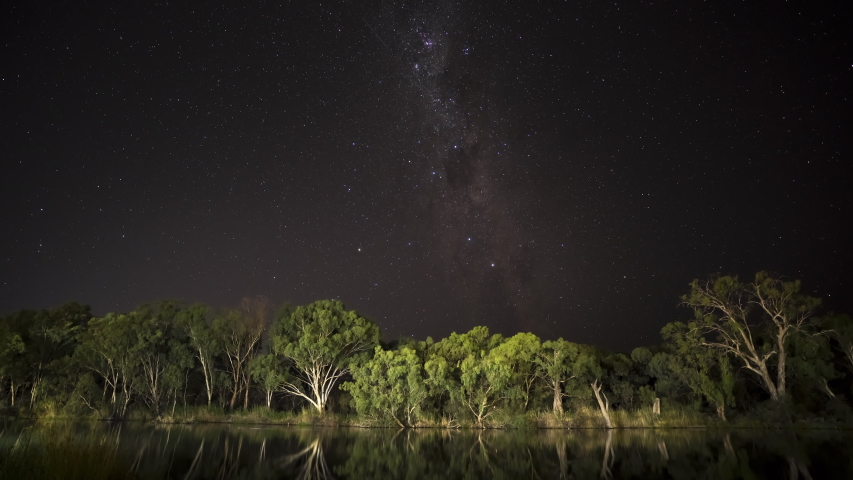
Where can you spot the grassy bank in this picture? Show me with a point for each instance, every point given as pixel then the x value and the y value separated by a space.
pixel 578 418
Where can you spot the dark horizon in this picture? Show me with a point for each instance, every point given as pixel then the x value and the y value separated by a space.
pixel 565 170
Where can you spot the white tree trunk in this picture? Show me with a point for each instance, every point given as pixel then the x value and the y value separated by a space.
pixel 604 405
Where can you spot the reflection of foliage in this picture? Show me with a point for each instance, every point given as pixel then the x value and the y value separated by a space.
pixel 211 451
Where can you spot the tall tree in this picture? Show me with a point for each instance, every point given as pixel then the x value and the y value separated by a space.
pixel 391 384
pixel 840 329
pixel 461 366
pixel 269 374
pixel 320 341
pixel 732 316
pixel 556 364
pixel 706 372
pixel 196 322
pixel 51 336
pixel 592 367
pixel 107 348
pixel 519 353
pixel 240 333
pixel 158 350
pixel 11 355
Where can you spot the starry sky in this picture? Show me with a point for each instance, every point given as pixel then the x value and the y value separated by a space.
pixel 565 168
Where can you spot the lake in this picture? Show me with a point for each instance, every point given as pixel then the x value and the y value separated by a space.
pixel 266 452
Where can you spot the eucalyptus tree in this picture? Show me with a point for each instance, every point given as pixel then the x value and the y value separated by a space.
pixel 49 339
pixel 11 356
pixel 461 366
pixel 519 353
pixel 107 347
pixel 391 384
pixel 320 341
pixel 706 372
pixel 196 320
pixel 592 368
pixel 840 329
pixel 269 374
pixel 151 349
pixel 556 364
pixel 239 332
pixel 725 318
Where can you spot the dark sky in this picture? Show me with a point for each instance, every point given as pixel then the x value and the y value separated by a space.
pixel 565 168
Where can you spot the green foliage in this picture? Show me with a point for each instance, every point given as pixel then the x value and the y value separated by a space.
pixel 390 385
pixel 557 364
pixel 163 358
pixel 321 340
pixel 196 321
pixel 705 372
pixel 269 373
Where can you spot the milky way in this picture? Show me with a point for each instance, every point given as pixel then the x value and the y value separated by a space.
pixel 464 158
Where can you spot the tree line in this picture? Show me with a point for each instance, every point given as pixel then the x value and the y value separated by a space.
pixel 748 347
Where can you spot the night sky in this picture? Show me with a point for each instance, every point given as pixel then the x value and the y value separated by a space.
pixel 565 168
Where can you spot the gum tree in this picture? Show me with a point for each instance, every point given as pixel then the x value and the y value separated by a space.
pixel 320 341
pixel 389 384
pixel 732 316
pixel 239 333
pixel 206 345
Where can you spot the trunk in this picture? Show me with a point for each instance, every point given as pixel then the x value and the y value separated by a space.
pixel 236 390
pixel 398 421
pixel 558 398
pixel 12 389
pixel 768 382
pixel 204 370
pixel 656 407
pixel 721 412
pixel 246 396
pixel 604 405
pixel 269 399
pixel 780 371
pixel 319 395
pixel 827 389
pixel 34 389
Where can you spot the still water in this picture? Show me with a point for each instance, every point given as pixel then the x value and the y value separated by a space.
pixel 268 452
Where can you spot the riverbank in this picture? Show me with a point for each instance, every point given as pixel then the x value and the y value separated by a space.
pixel 586 418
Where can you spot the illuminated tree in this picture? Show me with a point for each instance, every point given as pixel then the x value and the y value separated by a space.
pixel 556 364
pixel 320 341
pixel 731 316
pixel 391 384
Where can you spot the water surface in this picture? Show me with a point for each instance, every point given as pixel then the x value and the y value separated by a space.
pixel 268 452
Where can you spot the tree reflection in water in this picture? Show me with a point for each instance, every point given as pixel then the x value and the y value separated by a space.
pixel 220 452
pixel 311 460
